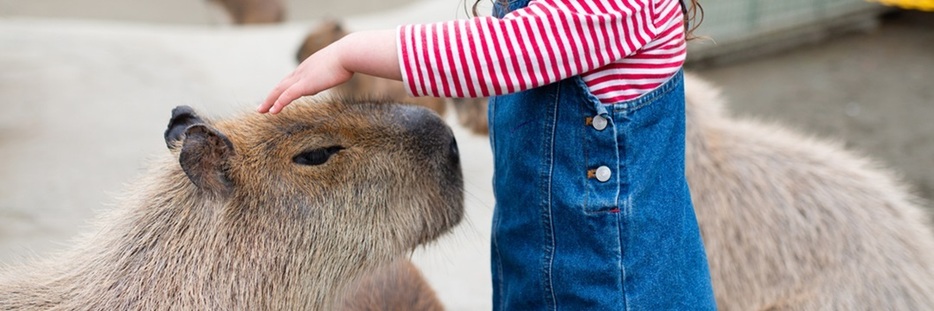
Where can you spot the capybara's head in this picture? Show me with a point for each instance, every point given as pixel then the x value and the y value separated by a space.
pixel 362 179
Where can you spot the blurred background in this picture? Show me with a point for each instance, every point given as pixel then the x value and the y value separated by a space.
pixel 86 87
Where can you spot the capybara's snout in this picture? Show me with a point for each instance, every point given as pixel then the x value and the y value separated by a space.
pixel 432 144
pixel 430 133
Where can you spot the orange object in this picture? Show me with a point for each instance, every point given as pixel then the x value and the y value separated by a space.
pixel 923 5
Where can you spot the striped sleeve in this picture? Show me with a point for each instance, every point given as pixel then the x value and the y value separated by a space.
pixel 547 41
pixel 638 74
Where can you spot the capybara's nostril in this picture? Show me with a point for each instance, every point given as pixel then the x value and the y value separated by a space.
pixel 455 153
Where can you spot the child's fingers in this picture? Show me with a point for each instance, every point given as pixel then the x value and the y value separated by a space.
pixel 290 94
pixel 275 94
pixel 264 107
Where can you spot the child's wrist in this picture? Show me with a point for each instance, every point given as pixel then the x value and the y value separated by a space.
pixel 370 52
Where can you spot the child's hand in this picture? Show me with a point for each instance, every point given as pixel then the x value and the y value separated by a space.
pixel 318 72
pixel 372 52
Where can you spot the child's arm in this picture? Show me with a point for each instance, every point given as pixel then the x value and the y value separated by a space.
pixel 545 42
pixel 368 52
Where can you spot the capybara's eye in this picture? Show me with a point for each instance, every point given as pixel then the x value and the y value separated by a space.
pixel 316 156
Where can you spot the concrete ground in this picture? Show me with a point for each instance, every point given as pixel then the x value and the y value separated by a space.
pixel 86 88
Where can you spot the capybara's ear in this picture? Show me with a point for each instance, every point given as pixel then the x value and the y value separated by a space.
pixel 204 158
pixel 182 118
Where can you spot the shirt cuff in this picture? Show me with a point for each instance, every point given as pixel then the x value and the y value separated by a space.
pixel 405 67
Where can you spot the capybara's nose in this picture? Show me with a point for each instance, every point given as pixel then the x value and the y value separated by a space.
pixel 433 137
pixel 455 153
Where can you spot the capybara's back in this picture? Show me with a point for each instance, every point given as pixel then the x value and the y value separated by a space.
pixel 795 223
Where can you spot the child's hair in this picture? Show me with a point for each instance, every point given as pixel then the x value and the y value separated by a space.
pixel 693 15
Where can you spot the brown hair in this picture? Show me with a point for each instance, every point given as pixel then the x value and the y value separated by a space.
pixel 693 18
pixel 693 15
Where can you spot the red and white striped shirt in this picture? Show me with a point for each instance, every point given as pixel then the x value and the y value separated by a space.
pixel 621 48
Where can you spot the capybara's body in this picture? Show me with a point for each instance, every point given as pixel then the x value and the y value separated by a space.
pixel 260 213
pixel 794 223
pixel 398 286
pixel 361 85
pixel 253 11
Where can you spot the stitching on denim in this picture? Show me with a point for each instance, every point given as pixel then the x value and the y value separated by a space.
pixel 490 117
pixel 585 90
pixel 626 212
pixel 499 258
pixel 624 226
pixel 499 266
pixel 654 99
pixel 623 199
pixel 547 223
pixel 617 128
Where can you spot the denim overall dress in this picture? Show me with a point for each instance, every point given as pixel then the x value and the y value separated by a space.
pixel 592 208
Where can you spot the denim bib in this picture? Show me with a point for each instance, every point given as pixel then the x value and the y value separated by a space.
pixel 592 208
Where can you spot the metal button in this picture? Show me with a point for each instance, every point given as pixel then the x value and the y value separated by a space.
pixel 599 123
pixel 603 173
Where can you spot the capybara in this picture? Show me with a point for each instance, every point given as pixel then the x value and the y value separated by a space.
pixel 472 114
pixel 253 11
pixel 399 286
pixel 361 85
pixel 260 212
pixel 795 223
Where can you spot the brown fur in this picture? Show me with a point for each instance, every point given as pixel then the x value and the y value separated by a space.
pixel 795 223
pixel 362 85
pixel 253 11
pixel 472 114
pixel 398 286
pixel 227 220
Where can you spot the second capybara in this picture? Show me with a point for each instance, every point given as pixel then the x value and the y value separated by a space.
pixel 472 114
pixel 791 222
pixel 243 12
pixel 260 212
